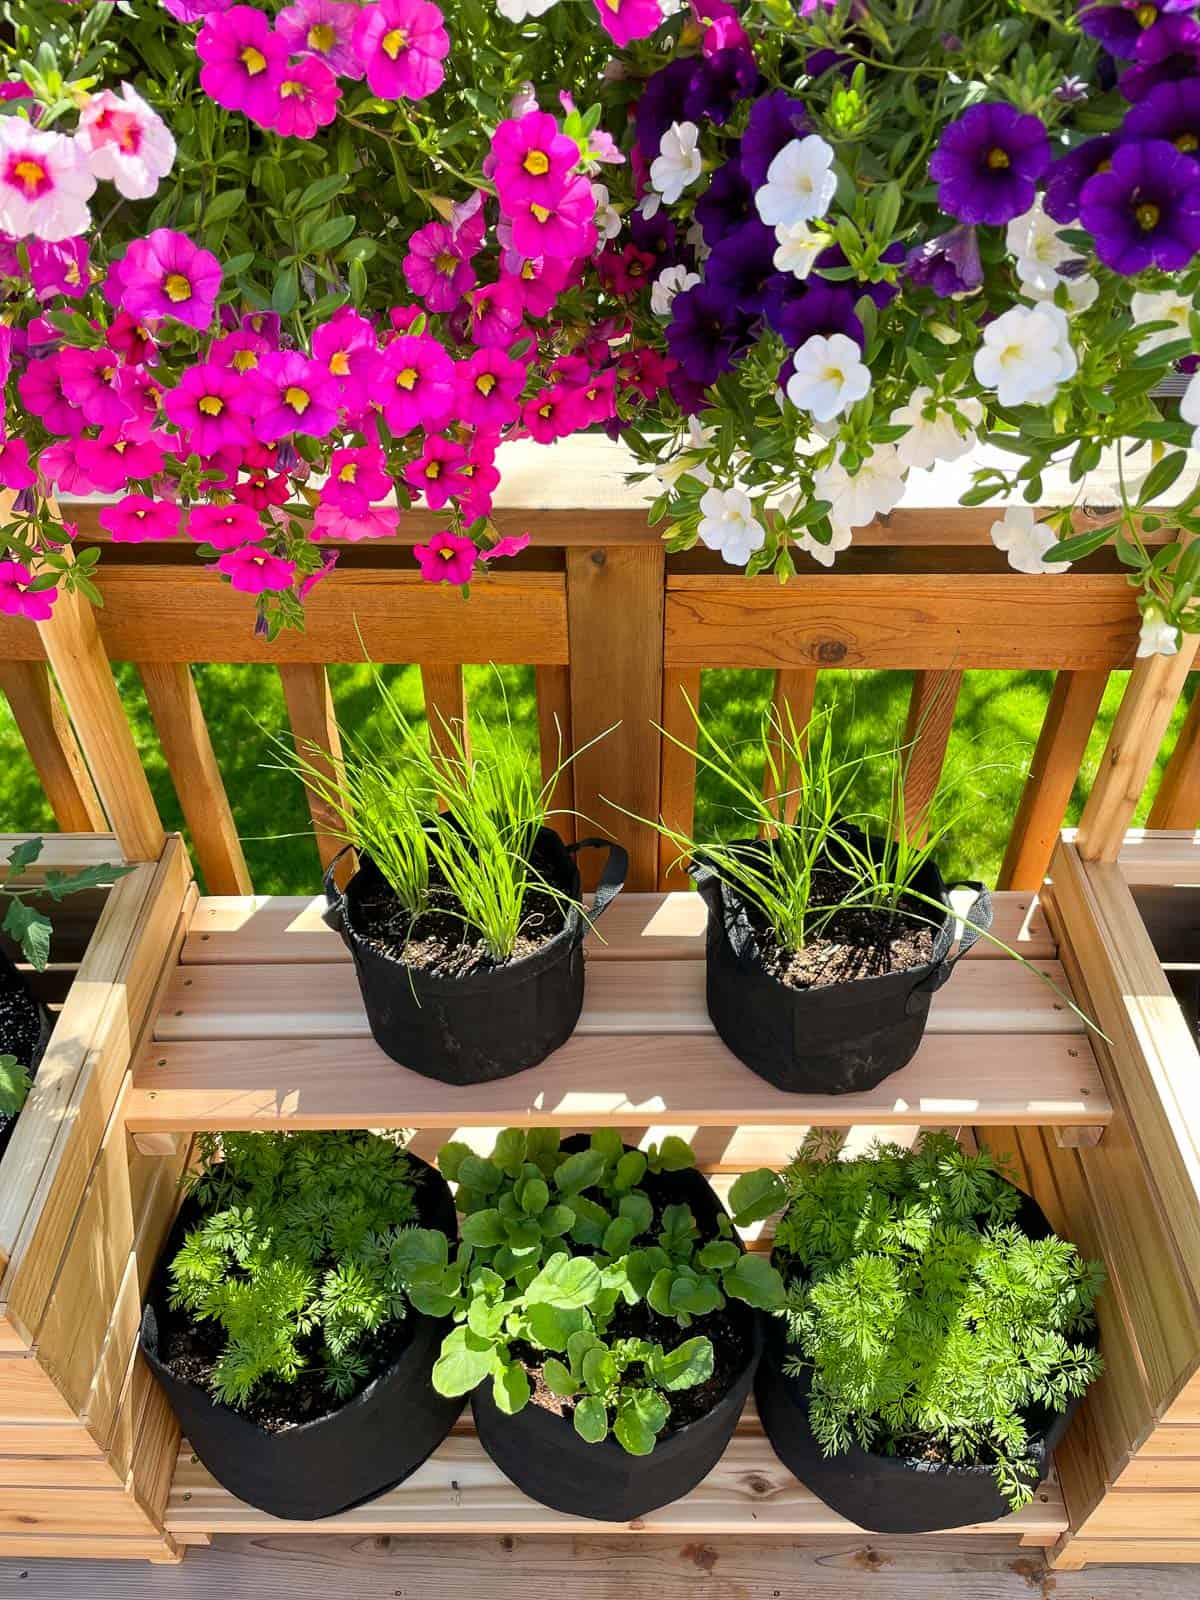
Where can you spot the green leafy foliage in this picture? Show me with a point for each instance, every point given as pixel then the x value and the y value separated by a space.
pixel 27 923
pixel 928 1320
pixel 557 1247
pixel 14 1085
pixel 306 1244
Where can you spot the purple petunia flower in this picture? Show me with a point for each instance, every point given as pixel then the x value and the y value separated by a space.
pixel 726 205
pixel 987 164
pixel 1068 175
pixel 775 121
pixel 1145 211
pixel 798 310
pixel 1119 24
pixel 949 264
pixel 1170 111
pixel 1167 53
pixel 662 103
pixel 702 336
pixel 742 266
pixel 719 82
pixel 657 236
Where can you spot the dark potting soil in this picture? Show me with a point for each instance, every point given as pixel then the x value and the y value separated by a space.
pixel 192 1350
pixel 440 942
pixel 20 1032
pixel 859 942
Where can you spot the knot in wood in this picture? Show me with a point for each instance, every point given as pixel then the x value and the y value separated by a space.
pixel 830 651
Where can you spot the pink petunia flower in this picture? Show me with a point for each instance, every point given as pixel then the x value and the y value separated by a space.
pixel 495 317
pixel 45 183
pixel 722 26
pixel 432 474
pixel 435 267
pixel 325 29
pixel 244 62
pixel 59 268
pixel 563 228
pixel 373 522
pixel 225 527
pixel 17 599
pixel 306 585
pixel 137 519
pixel 357 478
pixel 60 465
pixel 131 339
pixel 166 275
pixel 627 20
pixel 195 10
pixel 489 389
pixel 511 545
pixel 254 570
pixel 293 394
pixel 15 471
pixel 476 482
pixel 110 461
pixel 240 351
pixel 540 280
pixel 91 380
pixel 531 160
pixel 127 142
pixel 208 406
pixel 41 390
pixel 447 558
pixel 626 272
pixel 402 44
pixel 555 413
pixel 415 384
pixel 308 97
pixel 346 347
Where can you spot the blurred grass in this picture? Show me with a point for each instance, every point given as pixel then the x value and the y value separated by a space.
pixel 996 727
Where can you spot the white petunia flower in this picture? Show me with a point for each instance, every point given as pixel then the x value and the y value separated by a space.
pixel 1189 408
pixel 828 376
pixel 520 10
pixel 1082 293
pixel 825 554
pixel 677 163
pixel 798 249
pixel 935 438
pixel 873 491
pixel 1035 240
pixel 728 524
pixel 126 142
pixel 607 218
pixel 1163 306
pixel 1158 637
pixel 800 183
pixel 670 282
pixel 1025 355
pixel 1025 541
pixel 45 183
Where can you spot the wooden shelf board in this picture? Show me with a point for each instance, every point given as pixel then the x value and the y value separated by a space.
pixel 460 1490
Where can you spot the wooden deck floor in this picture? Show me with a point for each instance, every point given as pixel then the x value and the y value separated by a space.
pixel 324 1567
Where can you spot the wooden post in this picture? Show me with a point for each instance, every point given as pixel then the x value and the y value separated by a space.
pixel 72 643
pixel 677 804
pixel 615 629
pixel 1177 803
pixel 183 734
pixel 795 691
pixel 52 746
pixel 1155 684
pixel 1066 728
pixel 315 731
pixel 445 701
pixel 926 736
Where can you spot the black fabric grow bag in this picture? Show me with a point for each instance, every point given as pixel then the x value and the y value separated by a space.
pixel 25 1028
pixel 489 1024
pixel 546 1458
pixel 842 1038
pixel 337 1461
pixel 891 1494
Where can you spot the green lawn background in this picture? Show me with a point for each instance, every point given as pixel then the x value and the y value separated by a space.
pixel 996 727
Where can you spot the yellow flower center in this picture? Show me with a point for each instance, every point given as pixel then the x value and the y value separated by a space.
pixel 31 173
pixel 211 404
pixel 339 363
pixel 536 163
pixel 485 382
pixel 349 472
pixel 546 410
pixel 997 159
pixel 407 379
pixel 394 42
pixel 1147 16
pixel 321 36
pixel 299 399
pixel 1188 142
pixel 72 273
pixel 528 271
pixel 446 553
pixel 244 361
pixel 1147 215
pixel 291 87
pixel 177 287
pixel 540 214
pixel 433 469
pixel 253 60
pixel 120 446
pixel 446 263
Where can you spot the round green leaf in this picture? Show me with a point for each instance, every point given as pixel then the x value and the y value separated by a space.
pixel 465 1361
pixel 565 1281
pixel 483 1229
pixel 558 1379
pixel 510 1388
pixel 591 1419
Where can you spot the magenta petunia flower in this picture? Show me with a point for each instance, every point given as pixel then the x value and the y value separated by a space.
pixel 372 522
pixel 531 159
pixel 244 62
pixel 987 164
pixel 17 599
pixel 489 389
pixel 432 474
pixel 60 465
pixel 357 478
pixel 415 384
pixel 402 44
pixel 225 527
pixel 308 97
pixel 195 10
pixel 435 267
pixel 41 391
pixel 565 228
pixel 540 280
pixel 495 319
pixel 166 275
pixel 209 408
pixel 15 471
pixel 240 351
pixel 447 558
pixel 627 20
pixel 131 339
pixel 90 380
pixel 111 461
pixel 346 347
pixel 137 518
pixel 59 268
pixel 306 585
pixel 254 570
pixel 293 394
pixel 511 545
pixel 554 413
pixel 478 480
pixel 325 29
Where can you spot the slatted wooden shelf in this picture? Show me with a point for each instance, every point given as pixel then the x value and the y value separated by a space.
pixel 279 1040
pixel 460 1490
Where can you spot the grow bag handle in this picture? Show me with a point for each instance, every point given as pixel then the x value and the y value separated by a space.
pixel 981 920
pixel 612 877
pixel 335 900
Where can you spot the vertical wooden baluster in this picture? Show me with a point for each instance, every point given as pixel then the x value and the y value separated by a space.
pixel 1155 684
pixel 1177 803
pixel 1062 743
pixel 183 734
pixel 315 731
pixel 926 736
pixel 52 746
pixel 795 692
pixel 553 690
pixel 445 701
pixel 677 803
